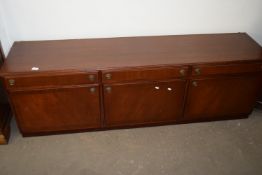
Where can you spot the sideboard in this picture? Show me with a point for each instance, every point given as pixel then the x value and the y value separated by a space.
pixel 98 84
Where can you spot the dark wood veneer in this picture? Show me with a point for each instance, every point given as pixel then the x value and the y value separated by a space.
pixel 223 96
pixel 144 73
pixel 144 102
pixel 65 108
pixel 99 84
pixel 51 80
pixel 226 69
pixel 101 54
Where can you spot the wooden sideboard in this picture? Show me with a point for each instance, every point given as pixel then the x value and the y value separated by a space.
pixel 98 84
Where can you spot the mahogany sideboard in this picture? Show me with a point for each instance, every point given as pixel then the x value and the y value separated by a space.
pixel 98 84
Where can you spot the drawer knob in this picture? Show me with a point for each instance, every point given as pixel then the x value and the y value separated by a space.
pixel 11 82
pixel 91 77
pixel 108 76
pixel 92 89
pixel 182 72
pixel 197 71
pixel 194 83
pixel 108 89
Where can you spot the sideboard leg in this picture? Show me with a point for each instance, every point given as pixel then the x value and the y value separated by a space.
pixel 5 134
pixel 5 119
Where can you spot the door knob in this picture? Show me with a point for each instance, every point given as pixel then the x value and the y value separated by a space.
pixel 108 76
pixel 182 72
pixel 92 89
pixel 108 89
pixel 195 83
pixel 11 82
pixel 197 71
pixel 91 77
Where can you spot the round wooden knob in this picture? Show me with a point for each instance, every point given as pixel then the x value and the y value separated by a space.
pixel 108 89
pixel 194 83
pixel 91 77
pixel 92 89
pixel 197 71
pixel 108 76
pixel 182 72
pixel 11 82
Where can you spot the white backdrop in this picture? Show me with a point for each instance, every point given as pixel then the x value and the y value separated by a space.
pixel 63 19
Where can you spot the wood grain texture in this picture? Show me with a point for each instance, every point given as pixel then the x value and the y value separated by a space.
pixel 38 79
pixel 145 86
pixel 205 70
pixel 93 54
pixel 140 103
pixel 141 74
pixel 60 109
pixel 212 98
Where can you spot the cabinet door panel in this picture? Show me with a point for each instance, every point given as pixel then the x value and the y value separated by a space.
pixel 140 103
pixel 221 97
pixel 69 108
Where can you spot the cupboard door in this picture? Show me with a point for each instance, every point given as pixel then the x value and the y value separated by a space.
pixel 143 103
pixel 216 98
pixel 68 108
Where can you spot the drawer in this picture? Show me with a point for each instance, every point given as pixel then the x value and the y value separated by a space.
pixel 51 79
pixel 152 73
pixel 226 69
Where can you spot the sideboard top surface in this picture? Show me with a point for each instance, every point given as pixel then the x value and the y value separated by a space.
pixel 99 54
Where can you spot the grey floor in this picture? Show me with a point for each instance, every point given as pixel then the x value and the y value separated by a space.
pixel 214 148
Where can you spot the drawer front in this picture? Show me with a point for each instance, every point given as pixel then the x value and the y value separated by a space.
pixel 136 74
pixel 51 80
pixel 226 69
